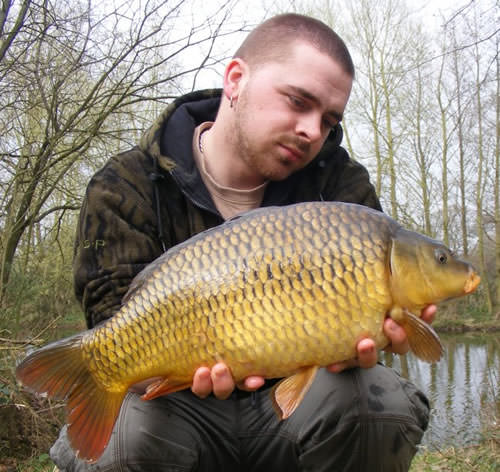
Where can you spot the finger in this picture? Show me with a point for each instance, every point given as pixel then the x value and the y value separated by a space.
pixel 202 382
pixel 367 357
pixel 429 313
pixel 222 381
pixel 397 337
pixel 367 354
pixel 251 383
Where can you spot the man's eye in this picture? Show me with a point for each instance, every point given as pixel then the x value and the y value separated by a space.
pixel 329 124
pixel 296 101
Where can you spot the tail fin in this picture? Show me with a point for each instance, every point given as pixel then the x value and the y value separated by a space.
pixel 59 370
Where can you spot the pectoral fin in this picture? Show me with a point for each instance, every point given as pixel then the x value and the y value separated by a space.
pixel 424 342
pixel 288 394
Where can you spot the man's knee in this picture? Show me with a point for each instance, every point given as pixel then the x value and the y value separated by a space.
pixel 145 437
pixel 364 393
pixel 361 417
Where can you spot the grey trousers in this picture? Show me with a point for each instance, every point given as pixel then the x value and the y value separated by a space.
pixel 359 420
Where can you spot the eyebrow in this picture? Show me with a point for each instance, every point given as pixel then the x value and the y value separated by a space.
pixel 309 96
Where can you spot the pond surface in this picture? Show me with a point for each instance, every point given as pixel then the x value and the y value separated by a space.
pixel 463 388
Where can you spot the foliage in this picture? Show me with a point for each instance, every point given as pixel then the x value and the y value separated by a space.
pixel 483 458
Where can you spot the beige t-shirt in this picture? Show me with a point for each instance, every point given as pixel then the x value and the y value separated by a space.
pixel 229 201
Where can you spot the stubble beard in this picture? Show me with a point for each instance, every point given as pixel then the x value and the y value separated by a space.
pixel 266 163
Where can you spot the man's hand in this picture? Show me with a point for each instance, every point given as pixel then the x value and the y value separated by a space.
pixel 367 354
pixel 220 382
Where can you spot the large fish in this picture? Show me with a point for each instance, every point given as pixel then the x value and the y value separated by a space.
pixel 276 292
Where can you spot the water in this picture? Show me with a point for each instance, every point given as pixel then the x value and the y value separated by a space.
pixel 463 388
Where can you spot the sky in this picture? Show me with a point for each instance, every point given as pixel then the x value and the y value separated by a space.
pixel 254 11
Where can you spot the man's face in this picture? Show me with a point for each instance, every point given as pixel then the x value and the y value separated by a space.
pixel 286 109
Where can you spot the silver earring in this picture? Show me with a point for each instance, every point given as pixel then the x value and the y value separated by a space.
pixel 231 102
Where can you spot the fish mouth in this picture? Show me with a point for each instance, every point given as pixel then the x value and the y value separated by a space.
pixel 472 282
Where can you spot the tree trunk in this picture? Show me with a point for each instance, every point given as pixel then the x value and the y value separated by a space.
pixel 496 303
pixel 444 158
pixel 479 190
pixel 461 155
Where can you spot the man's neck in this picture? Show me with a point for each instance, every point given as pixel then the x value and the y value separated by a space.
pixel 223 162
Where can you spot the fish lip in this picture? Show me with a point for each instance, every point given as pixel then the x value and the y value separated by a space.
pixel 472 282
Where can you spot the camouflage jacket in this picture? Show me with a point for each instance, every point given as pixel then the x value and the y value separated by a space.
pixel 149 198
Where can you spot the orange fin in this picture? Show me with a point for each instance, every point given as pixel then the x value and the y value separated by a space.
pixel 424 342
pixel 59 370
pixel 163 387
pixel 289 393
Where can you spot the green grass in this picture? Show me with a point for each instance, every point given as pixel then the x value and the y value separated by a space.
pixel 41 463
pixel 484 457
pixel 481 457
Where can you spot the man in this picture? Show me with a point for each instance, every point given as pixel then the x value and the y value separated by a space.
pixel 271 137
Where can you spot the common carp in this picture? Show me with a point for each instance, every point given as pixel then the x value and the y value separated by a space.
pixel 276 292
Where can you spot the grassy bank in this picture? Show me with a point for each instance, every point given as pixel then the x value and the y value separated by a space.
pixel 483 457
pixel 463 315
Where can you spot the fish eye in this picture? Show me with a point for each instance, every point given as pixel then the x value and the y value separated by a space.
pixel 441 256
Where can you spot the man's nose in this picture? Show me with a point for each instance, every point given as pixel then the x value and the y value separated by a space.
pixel 309 126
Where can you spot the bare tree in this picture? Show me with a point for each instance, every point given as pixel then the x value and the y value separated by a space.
pixel 443 113
pixel 423 155
pixel 480 182
pixel 497 184
pixel 71 76
pixel 457 74
pixel 8 33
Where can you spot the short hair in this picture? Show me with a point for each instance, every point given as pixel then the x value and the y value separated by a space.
pixel 271 40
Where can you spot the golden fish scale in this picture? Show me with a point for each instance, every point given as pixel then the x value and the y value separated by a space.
pixel 266 293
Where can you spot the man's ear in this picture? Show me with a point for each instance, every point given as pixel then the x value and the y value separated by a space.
pixel 235 77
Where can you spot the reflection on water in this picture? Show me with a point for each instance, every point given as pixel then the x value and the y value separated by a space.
pixel 462 387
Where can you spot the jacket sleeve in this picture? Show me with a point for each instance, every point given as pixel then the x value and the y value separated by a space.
pixel 116 236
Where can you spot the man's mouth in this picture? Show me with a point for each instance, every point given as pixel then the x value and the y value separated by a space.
pixel 294 153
